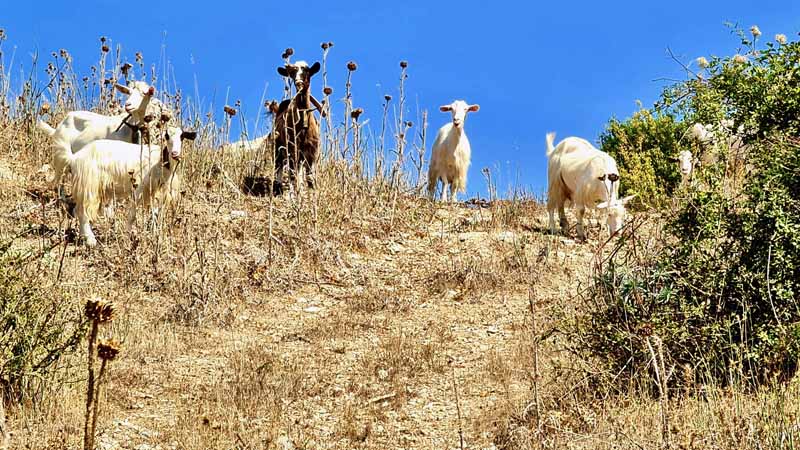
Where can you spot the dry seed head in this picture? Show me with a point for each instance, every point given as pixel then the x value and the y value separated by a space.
pixel 229 111
pixel 108 350
pixel 356 112
pixel 327 90
pixel 780 39
pixel 165 117
pixel 149 118
pixel 755 31
pixel 99 310
pixel 387 97
pixel 104 49
pixel 45 108
pixel 102 39
pixel 403 64
pixel 139 57
pixel 125 68
pixel 739 59
pixel 352 66
pixel 2 33
pixel 324 45
pixel 409 124
pixel 702 62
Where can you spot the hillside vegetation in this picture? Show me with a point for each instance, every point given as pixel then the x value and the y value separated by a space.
pixel 361 315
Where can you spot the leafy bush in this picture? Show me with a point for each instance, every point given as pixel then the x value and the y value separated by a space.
pixel 721 289
pixel 37 328
pixel 642 146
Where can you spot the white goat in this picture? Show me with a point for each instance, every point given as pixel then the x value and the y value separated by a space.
pixel 79 128
pixel 450 155
pixel 686 164
pixel 105 169
pixel 584 175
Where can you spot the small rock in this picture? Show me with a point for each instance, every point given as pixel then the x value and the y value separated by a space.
pixel 450 295
pixel 507 236
pixel 284 443
pixel 395 248
pixel 238 214
pixel 568 241
pixel 313 309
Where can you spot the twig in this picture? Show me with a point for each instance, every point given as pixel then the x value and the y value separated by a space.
pixel 5 436
pixel 458 410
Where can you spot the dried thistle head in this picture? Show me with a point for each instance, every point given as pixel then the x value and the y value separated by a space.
pixel 165 117
pixel 287 53
pixel 102 39
pixel 327 90
pixel 387 97
pixel 325 46
pixel 139 57
pixel 409 124
pixel 99 310
pixel 126 68
pixel 229 111
pixel 780 39
pixel 739 59
pixel 108 350
pixel 272 106
pixel 702 62
pixel 352 66
pixel 755 31
pixel 45 108
pixel 104 49
pixel 403 64
pixel 356 113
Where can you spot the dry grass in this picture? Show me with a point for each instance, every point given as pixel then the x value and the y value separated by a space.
pixel 337 318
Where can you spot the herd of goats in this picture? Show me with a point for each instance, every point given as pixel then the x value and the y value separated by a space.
pixel 135 152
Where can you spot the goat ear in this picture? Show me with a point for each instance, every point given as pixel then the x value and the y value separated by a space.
pixel 190 135
pixel 674 159
pixel 313 69
pixel 283 72
pixel 474 108
pixel 627 199
pixel 603 205
pixel 445 108
pixel 123 89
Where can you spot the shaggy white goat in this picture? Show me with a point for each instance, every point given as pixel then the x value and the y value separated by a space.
pixel 450 155
pixel 584 175
pixel 105 169
pixel 79 128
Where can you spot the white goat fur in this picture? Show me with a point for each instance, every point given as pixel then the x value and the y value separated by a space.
pixel 578 172
pixel 451 152
pixel 79 128
pixel 105 169
pixel 686 163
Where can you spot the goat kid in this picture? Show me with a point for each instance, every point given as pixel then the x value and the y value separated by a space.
pixel 105 169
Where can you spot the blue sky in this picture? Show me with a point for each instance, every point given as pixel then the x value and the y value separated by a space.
pixel 566 66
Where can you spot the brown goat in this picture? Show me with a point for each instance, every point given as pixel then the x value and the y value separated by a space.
pixel 296 129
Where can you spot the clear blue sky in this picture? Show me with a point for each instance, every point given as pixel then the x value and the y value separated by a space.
pixel 566 66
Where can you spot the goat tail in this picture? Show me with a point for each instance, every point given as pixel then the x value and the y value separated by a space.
pixel 43 126
pixel 550 139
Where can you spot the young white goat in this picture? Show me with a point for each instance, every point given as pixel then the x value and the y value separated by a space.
pixel 79 128
pixel 450 155
pixel 584 175
pixel 105 169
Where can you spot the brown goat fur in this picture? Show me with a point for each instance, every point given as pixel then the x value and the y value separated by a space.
pixel 296 130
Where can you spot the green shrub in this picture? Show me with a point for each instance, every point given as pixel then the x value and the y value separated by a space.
pixel 37 328
pixel 721 287
pixel 642 147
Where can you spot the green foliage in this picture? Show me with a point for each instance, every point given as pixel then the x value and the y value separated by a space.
pixel 721 289
pixel 37 328
pixel 642 147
